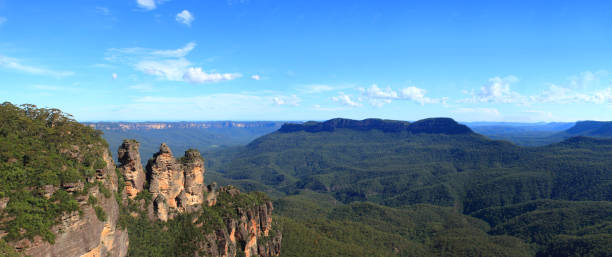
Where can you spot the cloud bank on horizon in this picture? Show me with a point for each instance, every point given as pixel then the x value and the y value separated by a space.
pixel 314 60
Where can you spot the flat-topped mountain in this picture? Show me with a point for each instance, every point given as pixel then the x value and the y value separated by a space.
pixel 431 126
pixel 591 128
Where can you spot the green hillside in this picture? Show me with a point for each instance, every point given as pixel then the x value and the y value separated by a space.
pixel 335 168
pixel 42 148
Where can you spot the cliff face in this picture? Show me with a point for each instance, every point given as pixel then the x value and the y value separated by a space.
pixel 250 232
pixel 85 234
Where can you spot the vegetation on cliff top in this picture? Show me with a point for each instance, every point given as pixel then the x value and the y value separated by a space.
pixel 42 152
pixel 184 234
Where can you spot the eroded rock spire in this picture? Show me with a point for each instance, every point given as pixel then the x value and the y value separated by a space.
pixel 131 167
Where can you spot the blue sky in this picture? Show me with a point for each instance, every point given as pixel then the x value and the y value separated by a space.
pixel 522 61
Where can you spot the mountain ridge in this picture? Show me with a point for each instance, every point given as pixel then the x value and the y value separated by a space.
pixel 430 125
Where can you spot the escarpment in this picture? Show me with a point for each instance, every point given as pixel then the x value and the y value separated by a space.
pixel 57 187
pixel 91 230
pixel 94 232
pixel 227 222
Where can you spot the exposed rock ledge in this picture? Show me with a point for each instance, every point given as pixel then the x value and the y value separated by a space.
pixel 85 235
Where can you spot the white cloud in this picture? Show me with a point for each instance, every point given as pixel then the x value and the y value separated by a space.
pixel 292 100
pixel 498 91
pixel 196 75
pixel 185 17
pixel 181 52
pixel 256 77
pixel 15 64
pixel 114 76
pixel 563 95
pixel 346 100
pixel 375 92
pixel 170 69
pixel 2 20
pixel 320 88
pixel 417 95
pixel 169 64
pixel 146 4
pixel 379 97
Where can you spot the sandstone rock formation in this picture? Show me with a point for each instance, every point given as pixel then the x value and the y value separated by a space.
pixel 250 233
pixel 176 186
pixel 131 167
pixel 193 168
pixel 85 235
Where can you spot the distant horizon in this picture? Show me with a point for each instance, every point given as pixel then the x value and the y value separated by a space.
pixel 459 121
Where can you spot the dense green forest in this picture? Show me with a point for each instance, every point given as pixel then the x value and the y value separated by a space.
pixel 546 200
pixel 43 152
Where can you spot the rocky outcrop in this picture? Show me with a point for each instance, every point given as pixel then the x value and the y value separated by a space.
pixel 85 234
pixel 131 167
pixel 193 167
pixel 176 186
pixel 250 232
pixel 166 182
pixel 431 126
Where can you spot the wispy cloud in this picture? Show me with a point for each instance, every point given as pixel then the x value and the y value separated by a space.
pixel 586 79
pixel 346 100
pixel 185 17
pixel 577 89
pixel 114 76
pixel 166 64
pixel 256 77
pixel 378 96
pixel 17 65
pixel 317 88
pixel 103 10
pixel 292 100
pixel 563 95
pixel 2 20
pixel 170 69
pixel 196 75
pixel 146 4
pixel 498 90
